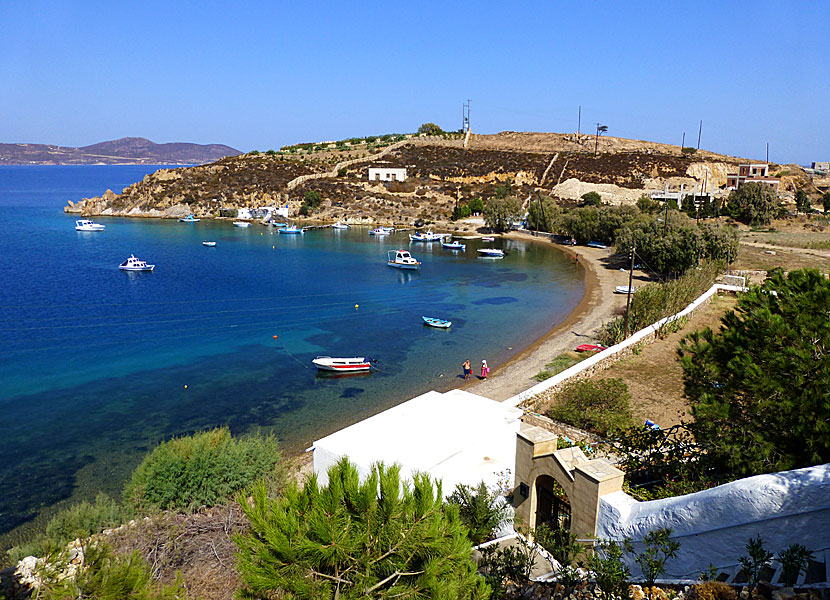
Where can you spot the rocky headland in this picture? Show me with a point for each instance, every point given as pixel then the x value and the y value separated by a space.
pixel 440 173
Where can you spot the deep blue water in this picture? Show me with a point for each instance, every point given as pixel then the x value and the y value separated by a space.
pixel 94 361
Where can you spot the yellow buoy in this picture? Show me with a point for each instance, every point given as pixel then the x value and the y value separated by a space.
pixel 260 233
pixel 357 305
pixel 185 386
pixel 273 247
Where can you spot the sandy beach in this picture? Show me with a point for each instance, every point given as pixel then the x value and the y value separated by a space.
pixel 600 304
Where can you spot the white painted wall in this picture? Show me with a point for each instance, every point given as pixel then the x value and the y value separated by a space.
pixel 714 525
pixel 386 174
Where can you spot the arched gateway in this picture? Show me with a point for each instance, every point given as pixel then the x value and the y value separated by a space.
pixel 545 474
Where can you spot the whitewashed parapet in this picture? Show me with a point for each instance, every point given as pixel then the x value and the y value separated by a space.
pixel 616 350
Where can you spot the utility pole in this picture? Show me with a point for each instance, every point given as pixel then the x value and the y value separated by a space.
pixel 465 118
pixel 699 131
pixel 628 299
pixel 683 143
pixel 767 151
pixel 579 124
pixel 666 219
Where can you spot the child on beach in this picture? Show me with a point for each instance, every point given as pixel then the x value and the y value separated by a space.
pixel 485 370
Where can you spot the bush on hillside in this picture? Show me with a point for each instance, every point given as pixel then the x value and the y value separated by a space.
pixel 107 577
pixel 599 224
pixel 203 469
pixel 429 129
pixel 753 204
pixel 78 521
pixel 591 199
pixel 655 301
pixel 601 407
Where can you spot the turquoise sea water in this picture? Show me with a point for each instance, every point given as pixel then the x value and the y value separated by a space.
pixel 94 361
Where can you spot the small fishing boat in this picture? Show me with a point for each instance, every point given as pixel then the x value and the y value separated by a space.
pixel 292 230
pixel 453 245
pixel 624 289
pixel 87 225
pixel 381 231
pixel 426 236
pixel 135 264
pixel 599 245
pixel 189 219
pixel 439 323
pixel 488 239
pixel 590 348
pixel 278 224
pixel 402 259
pixel 340 225
pixel 491 252
pixel 242 224
pixel 208 244
pixel 342 365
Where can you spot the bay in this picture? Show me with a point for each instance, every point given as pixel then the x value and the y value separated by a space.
pixel 97 365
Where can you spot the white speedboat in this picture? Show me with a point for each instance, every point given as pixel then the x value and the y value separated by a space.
pixel 135 264
pixel 189 219
pixel 623 289
pixel 491 252
pixel 342 365
pixel 426 236
pixel 208 244
pixel 402 259
pixel 381 231
pixel 453 245
pixel 340 225
pixel 292 230
pixel 241 224
pixel 87 225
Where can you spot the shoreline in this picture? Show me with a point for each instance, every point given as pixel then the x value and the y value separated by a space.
pixel 598 305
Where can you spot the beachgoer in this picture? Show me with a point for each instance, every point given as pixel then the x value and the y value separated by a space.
pixel 468 370
pixel 485 370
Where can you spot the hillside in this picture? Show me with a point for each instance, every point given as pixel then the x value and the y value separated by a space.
pixel 440 172
pixel 125 151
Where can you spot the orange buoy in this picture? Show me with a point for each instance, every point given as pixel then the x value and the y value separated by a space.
pixel 276 336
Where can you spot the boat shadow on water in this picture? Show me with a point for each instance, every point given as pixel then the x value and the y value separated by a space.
pixel 335 375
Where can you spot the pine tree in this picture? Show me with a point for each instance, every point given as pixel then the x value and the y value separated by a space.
pixel 382 538
pixel 760 389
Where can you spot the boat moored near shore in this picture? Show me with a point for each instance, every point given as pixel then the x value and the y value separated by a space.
pixel 87 225
pixel 354 364
pixel 402 259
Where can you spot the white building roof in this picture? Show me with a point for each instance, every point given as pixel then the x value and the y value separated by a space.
pixel 456 436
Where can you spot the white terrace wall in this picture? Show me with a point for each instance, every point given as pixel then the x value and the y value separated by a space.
pixel 617 351
pixel 713 526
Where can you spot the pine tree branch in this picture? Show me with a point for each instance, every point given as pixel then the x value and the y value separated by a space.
pixel 396 575
pixel 332 577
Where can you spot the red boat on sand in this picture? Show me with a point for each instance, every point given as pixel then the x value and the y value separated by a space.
pixel 590 348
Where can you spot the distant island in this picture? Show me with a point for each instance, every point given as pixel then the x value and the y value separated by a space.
pixel 125 151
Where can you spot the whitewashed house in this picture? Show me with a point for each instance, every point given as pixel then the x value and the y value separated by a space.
pixel 386 174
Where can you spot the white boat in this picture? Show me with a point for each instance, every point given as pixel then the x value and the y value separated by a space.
pixel 87 225
pixel 488 239
pixel 189 219
pixel 135 264
pixel 623 289
pixel 340 225
pixel 381 231
pixel 402 259
pixel 208 244
pixel 342 365
pixel 491 252
pixel 426 236
pixel 241 224
pixel 453 245
pixel 439 323
pixel 292 230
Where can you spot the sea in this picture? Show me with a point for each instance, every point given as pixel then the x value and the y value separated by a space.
pixel 98 365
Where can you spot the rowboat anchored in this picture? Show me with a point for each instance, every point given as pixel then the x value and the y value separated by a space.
pixel 439 323
pixel 342 365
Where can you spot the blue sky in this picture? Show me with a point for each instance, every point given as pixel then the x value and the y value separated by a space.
pixel 265 74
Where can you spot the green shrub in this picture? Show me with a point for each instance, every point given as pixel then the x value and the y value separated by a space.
pixel 203 469
pixel 591 199
pixel 108 577
pixel 479 511
pixel 78 521
pixel 560 363
pixel 610 572
pixel 688 150
pixel 601 407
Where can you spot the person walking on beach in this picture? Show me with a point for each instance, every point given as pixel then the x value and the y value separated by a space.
pixel 485 370
pixel 468 370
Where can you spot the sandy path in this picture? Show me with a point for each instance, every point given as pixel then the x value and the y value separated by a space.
pixel 599 305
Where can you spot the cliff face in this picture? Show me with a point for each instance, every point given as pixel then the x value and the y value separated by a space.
pixel 439 173
pixel 124 151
